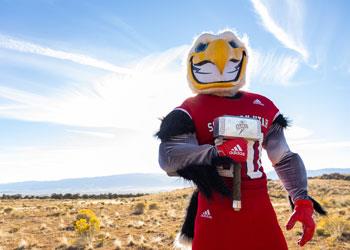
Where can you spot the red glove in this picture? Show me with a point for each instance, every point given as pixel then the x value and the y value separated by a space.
pixel 303 211
pixel 235 148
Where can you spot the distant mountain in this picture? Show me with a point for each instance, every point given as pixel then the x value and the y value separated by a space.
pixel 121 184
pixel 312 173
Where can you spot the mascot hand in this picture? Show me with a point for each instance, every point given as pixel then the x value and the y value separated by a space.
pixel 236 149
pixel 303 211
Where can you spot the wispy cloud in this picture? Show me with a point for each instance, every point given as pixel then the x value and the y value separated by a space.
pixel 134 38
pixel 297 133
pixel 107 115
pixel 93 133
pixel 28 47
pixel 291 12
pixel 270 66
pixel 315 152
pixel 273 68
pixel 157 82
pixel 155 86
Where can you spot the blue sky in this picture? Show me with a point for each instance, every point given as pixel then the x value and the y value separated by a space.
pixel 83 83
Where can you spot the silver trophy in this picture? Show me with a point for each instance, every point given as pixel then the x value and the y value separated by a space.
pixel 229 127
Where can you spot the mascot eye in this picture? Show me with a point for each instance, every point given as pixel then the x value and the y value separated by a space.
pixel 201 47
pixel 233 44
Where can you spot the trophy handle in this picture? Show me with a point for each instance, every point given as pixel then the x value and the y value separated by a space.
pixel 236 194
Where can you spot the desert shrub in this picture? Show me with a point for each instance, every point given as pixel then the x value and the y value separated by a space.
pixel 139 208
pixel 63 245
pixel 56 196
pixel 8 210
pixel 86 225
pixel 85 196
pixel 335 176
pixel 13 230
pixel 185 196
pixel 100 241
pixel 333 226
pixel 136 224
pixel 43 226
pixel 130 241
pixel 326 202
pixel 117 244
pixel 22 245
pixel 67 196
pixel 153 206
pixel 56 214
pixel 341 212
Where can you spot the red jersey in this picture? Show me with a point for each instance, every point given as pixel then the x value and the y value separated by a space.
pixel 203 109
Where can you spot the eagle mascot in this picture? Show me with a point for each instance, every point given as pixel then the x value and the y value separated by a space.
pixel 215 139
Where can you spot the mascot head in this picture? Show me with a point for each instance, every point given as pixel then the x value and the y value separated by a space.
pixel 217 64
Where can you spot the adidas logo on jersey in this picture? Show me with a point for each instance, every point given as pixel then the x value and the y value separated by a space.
pixel 206 214
pixel 237 150
pixel 258 102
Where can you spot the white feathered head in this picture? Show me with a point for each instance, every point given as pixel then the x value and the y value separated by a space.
pixel 217 63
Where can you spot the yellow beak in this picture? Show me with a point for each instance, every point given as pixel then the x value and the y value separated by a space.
pixel 218 52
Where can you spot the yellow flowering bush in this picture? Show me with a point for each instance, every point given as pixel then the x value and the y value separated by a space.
pixel 81 226
pixel 86 225
pixel 333 226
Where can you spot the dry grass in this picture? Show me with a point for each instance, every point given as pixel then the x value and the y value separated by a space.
pixel 139 208
pixel 152 221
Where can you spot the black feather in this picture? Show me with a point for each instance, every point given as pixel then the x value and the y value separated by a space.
pixel 175 123
pixel 291 204
pixel 282 121
pixel 188 225
pixel 206 178
pixel 224 161
pixel 317 206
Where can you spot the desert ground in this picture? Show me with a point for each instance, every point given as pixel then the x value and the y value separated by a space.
pixel 152 221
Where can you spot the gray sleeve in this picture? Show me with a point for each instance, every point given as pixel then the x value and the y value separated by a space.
pixel 183 150
pixel 288 165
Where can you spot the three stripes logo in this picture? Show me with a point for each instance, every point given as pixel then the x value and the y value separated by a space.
pixel 206 214
pixel 258 102
pixel 237 150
